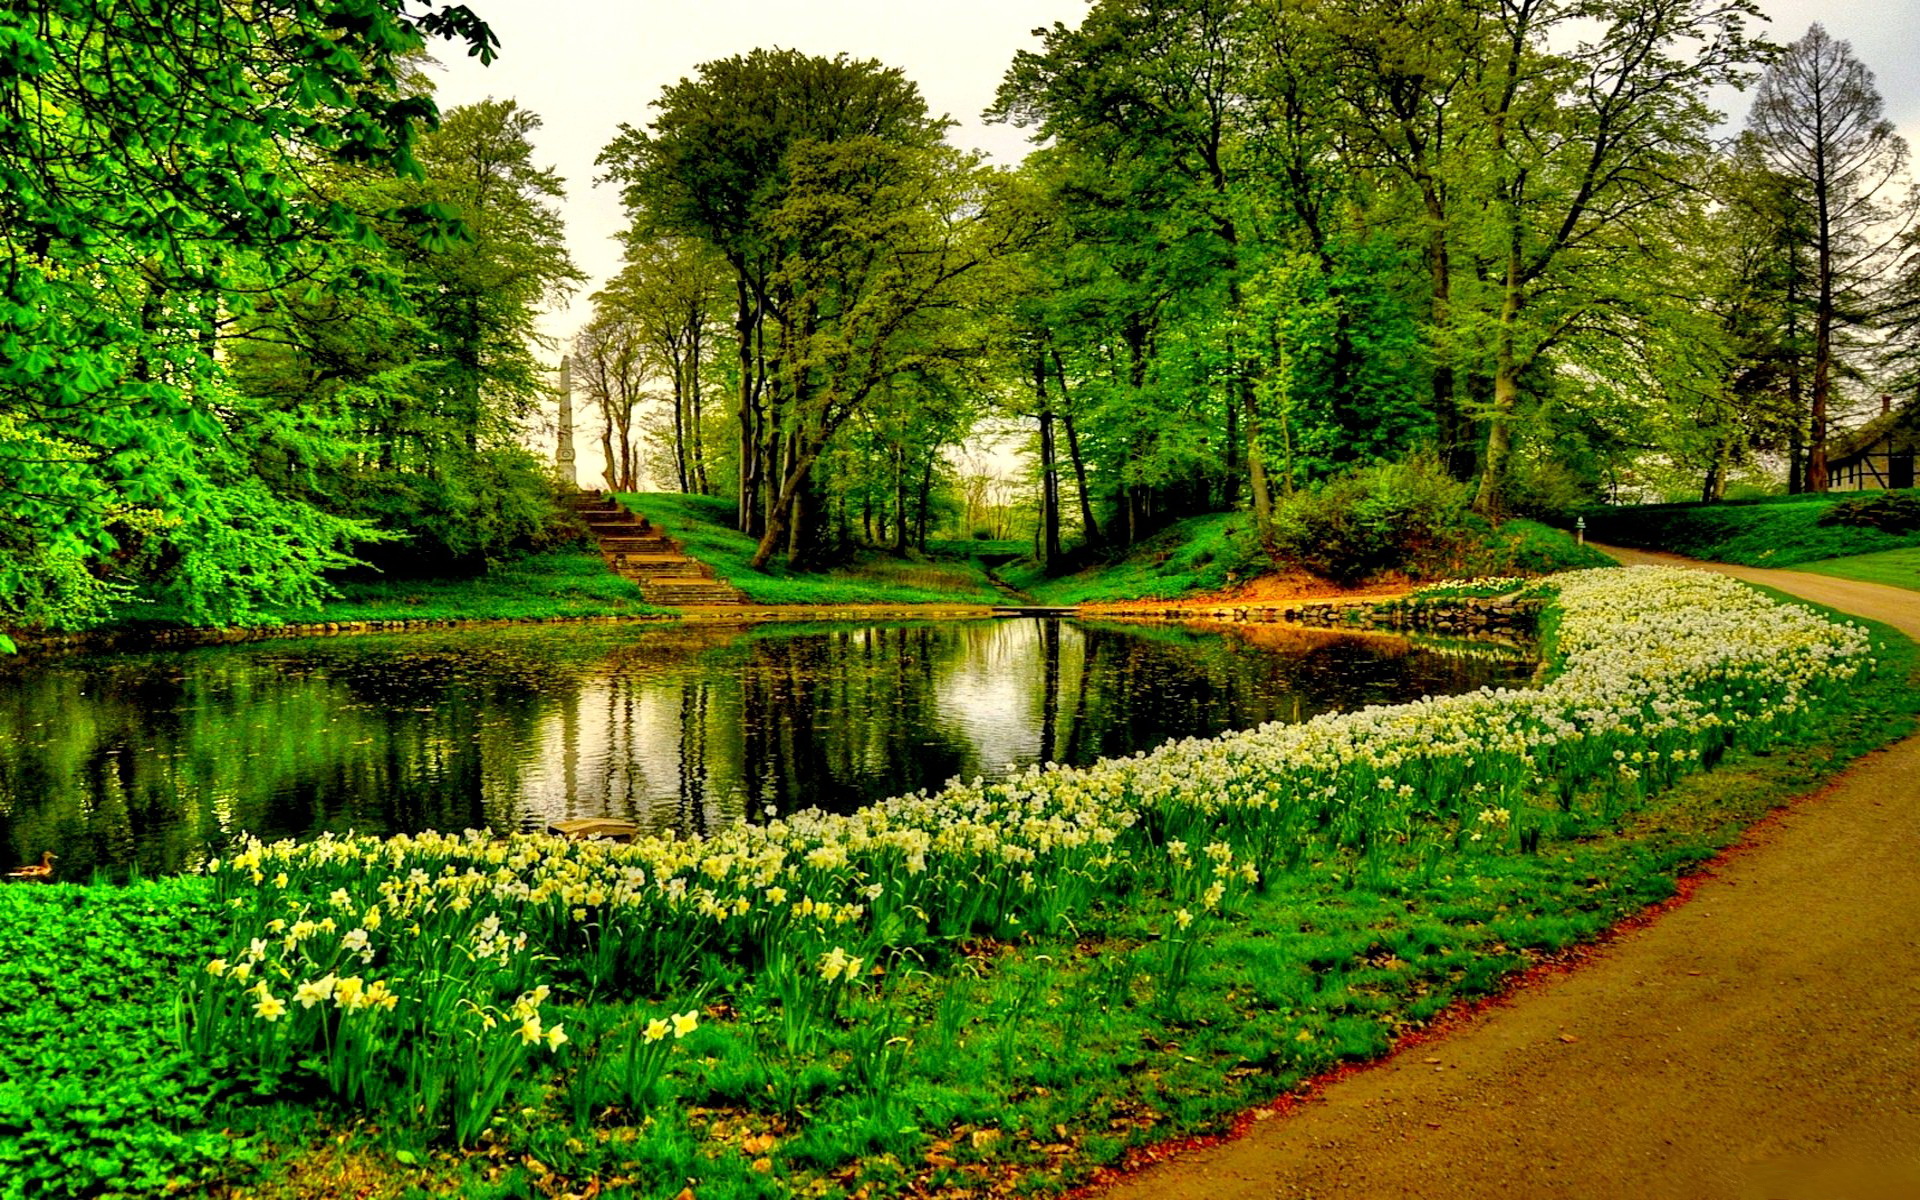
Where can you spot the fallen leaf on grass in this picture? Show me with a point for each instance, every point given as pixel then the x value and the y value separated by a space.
pixel 1569 1038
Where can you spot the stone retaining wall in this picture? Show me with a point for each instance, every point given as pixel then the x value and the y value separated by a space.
pixel 1500 616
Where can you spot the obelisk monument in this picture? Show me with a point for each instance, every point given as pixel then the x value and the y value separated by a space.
pixel 563 453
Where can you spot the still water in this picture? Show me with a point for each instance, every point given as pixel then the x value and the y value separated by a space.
pixel 157 760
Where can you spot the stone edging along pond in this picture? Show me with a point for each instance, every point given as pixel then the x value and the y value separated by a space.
pixel 1444 615
pixel 185 638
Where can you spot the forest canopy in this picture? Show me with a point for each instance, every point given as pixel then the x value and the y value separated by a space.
pixel 270 314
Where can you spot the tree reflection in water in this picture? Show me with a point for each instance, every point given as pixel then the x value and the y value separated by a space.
pixel 155 761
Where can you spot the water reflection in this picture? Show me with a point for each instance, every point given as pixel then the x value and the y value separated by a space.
pixel 154 760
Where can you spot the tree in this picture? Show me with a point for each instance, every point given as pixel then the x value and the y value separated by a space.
pixel 154 165
pixel 612 367
pixel 1818 119
pixel 1587 155
pixel 716 164
pixel 673 295
pixel 436 379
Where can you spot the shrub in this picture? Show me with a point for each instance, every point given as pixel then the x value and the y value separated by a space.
pixel 1547 490
pixel 1375 519
pixel 1889 512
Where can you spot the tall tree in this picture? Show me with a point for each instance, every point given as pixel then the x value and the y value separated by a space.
pixel 1588 152
pixel 716 165
pixel 1819 120
pixel 154 157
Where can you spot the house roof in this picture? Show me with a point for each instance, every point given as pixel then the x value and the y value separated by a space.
pixel 1847 445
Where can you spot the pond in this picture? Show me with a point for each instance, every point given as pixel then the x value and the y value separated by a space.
pixel 154 761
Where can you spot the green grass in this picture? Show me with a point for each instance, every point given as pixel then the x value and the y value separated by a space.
pixel 1522 547
pixel 703 526
pixel 1199 554
pixel 557 583
pixel 1777 531
pixel 1896 568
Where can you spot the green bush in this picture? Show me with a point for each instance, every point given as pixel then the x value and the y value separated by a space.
pixel 1391 516
pixel 1547 490
pixel 1889 512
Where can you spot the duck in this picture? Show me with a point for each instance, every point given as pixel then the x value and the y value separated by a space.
pixel 43 871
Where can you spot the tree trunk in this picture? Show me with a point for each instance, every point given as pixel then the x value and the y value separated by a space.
pixel 1506 384
pixel 1049 470
pixel 695 415
pixel 747 317
pixel 1822 344
pixel 899 499
pixel 794 479
pixel 1089 532
pixel 1257 481
pixel 926 502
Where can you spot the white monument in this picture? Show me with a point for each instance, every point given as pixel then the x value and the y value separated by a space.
pixel 563 464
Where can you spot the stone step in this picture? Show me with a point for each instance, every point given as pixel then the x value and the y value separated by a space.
pixel 615 523
pixel 634 566
pixel 677 592
pixel 639 544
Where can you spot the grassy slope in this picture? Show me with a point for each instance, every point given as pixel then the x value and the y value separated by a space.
pixel 558 583
pixel 1780 531
pixel 1210 552
pixel 1203 553
pixel 1896 568
pixel 702 525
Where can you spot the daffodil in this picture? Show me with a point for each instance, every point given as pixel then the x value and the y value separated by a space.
pixel 269 1007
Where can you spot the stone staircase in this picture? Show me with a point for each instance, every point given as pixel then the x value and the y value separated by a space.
pixel 636 550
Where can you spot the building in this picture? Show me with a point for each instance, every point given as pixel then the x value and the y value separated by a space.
pixel 1879 454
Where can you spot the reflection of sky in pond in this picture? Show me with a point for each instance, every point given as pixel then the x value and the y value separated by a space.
pixel 151 759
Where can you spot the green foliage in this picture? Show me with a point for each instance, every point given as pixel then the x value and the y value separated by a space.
pixel 1889 512
pixel 1523 547
pixel 1338 353
pixel 1774 532
pixel 136 218
pixel 1388 517
pixel 95 1101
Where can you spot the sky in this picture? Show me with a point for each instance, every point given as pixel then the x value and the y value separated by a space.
pixel 586 66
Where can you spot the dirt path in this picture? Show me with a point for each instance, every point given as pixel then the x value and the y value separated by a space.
pixel 1758 1042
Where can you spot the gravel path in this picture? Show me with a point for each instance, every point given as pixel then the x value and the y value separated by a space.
pixel 1759 1042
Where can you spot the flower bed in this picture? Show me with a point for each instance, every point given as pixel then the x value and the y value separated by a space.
pixel 417 975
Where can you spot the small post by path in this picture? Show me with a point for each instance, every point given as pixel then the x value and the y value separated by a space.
pixel 1579 531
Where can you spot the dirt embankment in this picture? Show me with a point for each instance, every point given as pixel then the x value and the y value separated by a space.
pixel 1760 1041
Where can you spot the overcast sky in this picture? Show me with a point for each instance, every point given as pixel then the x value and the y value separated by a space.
pixel 585 66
